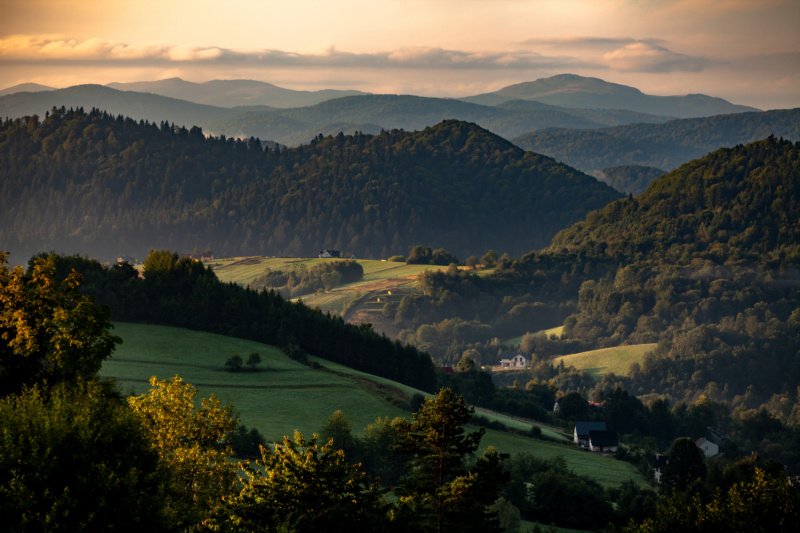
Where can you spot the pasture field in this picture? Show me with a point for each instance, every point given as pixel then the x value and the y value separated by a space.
pixel 285 395
pixel 606 360
pixel 380 277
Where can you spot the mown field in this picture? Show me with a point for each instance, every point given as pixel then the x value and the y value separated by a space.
pixel 380 277
pixel 284 395
pixel 607 360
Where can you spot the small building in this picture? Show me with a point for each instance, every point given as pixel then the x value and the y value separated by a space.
pixel 603 441
pixel 660 463
pixel 517 361
pixel 205 256
pixel 328 254
pixel 709 448
pixel 580 435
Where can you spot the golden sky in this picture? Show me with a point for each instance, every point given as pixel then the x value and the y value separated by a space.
pixel 747 51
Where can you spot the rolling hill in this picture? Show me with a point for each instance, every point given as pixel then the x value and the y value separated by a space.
pixel 233 93
pixel 99 184
pixel 665 146
pixel 413 113
pixel 570 90
pixel 140 106
pixel 285 395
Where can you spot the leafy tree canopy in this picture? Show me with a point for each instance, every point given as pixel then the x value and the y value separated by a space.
pixel 49 332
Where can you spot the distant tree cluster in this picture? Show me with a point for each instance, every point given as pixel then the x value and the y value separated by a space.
pixel 302 280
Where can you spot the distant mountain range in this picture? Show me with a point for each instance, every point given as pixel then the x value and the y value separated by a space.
pixel 585 122
pixel 570 90
pixel 233 93
pixel 665 146
pixel 139 106
pixel 26 87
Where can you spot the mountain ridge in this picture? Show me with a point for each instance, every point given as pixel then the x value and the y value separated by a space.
pixel 572 90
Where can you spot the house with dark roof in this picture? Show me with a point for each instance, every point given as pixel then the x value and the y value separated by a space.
pixel 329 253
pixel 603 441
pixel 580 435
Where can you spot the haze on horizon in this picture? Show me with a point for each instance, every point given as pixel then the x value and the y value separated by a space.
pixel 746 52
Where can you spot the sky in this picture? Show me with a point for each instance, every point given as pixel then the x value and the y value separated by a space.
pixel 746 51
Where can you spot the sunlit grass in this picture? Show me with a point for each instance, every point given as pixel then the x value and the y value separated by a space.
pixel 607 360
pixel 285 395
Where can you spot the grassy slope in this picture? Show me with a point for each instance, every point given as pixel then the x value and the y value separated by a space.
pixel 606 360
pixel 516 341
pixel 361 296
pixel 285 395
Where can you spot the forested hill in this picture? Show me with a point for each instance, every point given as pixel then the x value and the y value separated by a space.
pixel 735 204
pixel 706 262
pixel 665 146
pixel 92 183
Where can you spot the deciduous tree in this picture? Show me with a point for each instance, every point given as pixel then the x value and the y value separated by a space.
pixel 49 331
pixel 190 440
pixel 308 487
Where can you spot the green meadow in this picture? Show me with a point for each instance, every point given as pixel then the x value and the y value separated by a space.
pixel 284 395
pixel 607 360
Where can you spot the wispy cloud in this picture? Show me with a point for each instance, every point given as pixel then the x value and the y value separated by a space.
pixel 55 50
pixel 649 57
pixel 624 54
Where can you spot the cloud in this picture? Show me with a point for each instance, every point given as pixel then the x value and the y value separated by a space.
pixel 50 50
pixel 643 56
pixel 587 42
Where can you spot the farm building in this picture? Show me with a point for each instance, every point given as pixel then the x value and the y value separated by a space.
pixel 709 448
pixel 517 361
pixel 326 254
pixel 603 441
pixel 580 435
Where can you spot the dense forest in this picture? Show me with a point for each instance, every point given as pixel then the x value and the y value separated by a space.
pixel 107 186
pixel 663 146
pixel 705 263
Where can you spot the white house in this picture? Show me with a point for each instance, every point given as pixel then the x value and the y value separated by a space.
pixel 709 448
pixel 580 434
pixel 518 361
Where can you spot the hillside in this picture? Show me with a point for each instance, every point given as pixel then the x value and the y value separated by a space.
pixel 665 146
pixel 284 395
pixel 570 90
pixel 140 106
pixel 26 87
pixel 232 93
pixel 707 263
pixel 413 113
pixel 92 183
